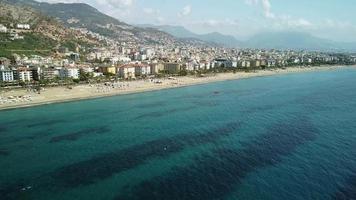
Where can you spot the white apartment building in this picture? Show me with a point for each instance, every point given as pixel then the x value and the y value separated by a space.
pixel 127 72
pixel 6 74
pixel 69 73
pixel 23 26
pixel 24 75
pixel 142 69
pixel 3 28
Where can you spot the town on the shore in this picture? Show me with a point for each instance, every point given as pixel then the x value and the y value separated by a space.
pixel 127 60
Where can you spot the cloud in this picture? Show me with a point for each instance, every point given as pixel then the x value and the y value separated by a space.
pixel 279 21
pixel 342 30
pixel 153 15
pixel 226 26
pixel 220 23
pixel 112 3
pixel 251 2
pixel 61 1
pixel 151 11
pixel 160 20
pixel 187 10
pixel 266 5
pixel 121 4
pixel 303 22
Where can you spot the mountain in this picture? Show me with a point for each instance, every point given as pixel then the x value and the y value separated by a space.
pixel 218 38
pixel 177 31
pixel 215 37
pixel 44 36
pixel 80 15
pixel 296 41
pixel 267 40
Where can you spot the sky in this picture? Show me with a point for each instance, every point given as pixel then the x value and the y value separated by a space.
pixel 330 19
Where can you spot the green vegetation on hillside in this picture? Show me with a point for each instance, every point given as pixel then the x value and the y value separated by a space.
pixel 72 44
pixel 31 44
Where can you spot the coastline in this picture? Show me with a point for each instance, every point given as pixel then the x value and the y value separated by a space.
pixel 86 92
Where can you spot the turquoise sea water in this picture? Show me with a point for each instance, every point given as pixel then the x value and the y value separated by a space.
pixel 280 137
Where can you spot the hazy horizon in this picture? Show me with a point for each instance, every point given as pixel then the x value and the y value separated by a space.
pixel 241 19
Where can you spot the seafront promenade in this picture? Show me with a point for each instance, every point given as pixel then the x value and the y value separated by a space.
pixel 18 98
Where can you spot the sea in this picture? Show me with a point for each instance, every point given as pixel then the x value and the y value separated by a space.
pixel 282 137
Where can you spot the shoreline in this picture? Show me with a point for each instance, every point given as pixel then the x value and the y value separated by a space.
pixel 87 92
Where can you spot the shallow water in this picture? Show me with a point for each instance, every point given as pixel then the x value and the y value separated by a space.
pixel 281 137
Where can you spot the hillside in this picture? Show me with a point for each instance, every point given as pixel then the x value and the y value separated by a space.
pixel 31 44
pixel 81 15
pixel 44 36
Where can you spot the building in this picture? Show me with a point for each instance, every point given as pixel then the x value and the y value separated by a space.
pixel 23 26
pixel 172 68
pixel 142 70
pixel 15 36
pixel 3 29
pixel 157 68
pixel 192 65
pixel 24 74
pixel 271 63
pixel 87 69
pixel 142 57
pixel 132 70
pixel 36 73
pixel 263 63
pixel 75 56
pixel 244 64
pixel 221 62
pixel 234 64
pixel 255 63
pixel 97 74
pixel 69 73
pixel 107 69
pixel 127 72
pixel 204 65
pixel 50 73
pixel 149 52
pixel 6 74
pixel 4 61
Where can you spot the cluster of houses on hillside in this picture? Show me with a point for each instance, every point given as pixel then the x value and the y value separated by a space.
pixel 15 30
pixel 3 29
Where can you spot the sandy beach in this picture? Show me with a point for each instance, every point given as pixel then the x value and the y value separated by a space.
pixel 23 98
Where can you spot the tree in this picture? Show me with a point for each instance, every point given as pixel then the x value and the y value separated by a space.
pixel 22 83
pixel 83 76
pixel 44 82
pixel 183 73
pixel 76 80
pixel 13 60
pixel 108 75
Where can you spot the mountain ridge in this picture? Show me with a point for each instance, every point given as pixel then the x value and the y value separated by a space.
pixel 264 40
pixel 213 37
pixel 81 15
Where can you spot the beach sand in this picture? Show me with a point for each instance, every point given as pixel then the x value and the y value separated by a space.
pixel 63 94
